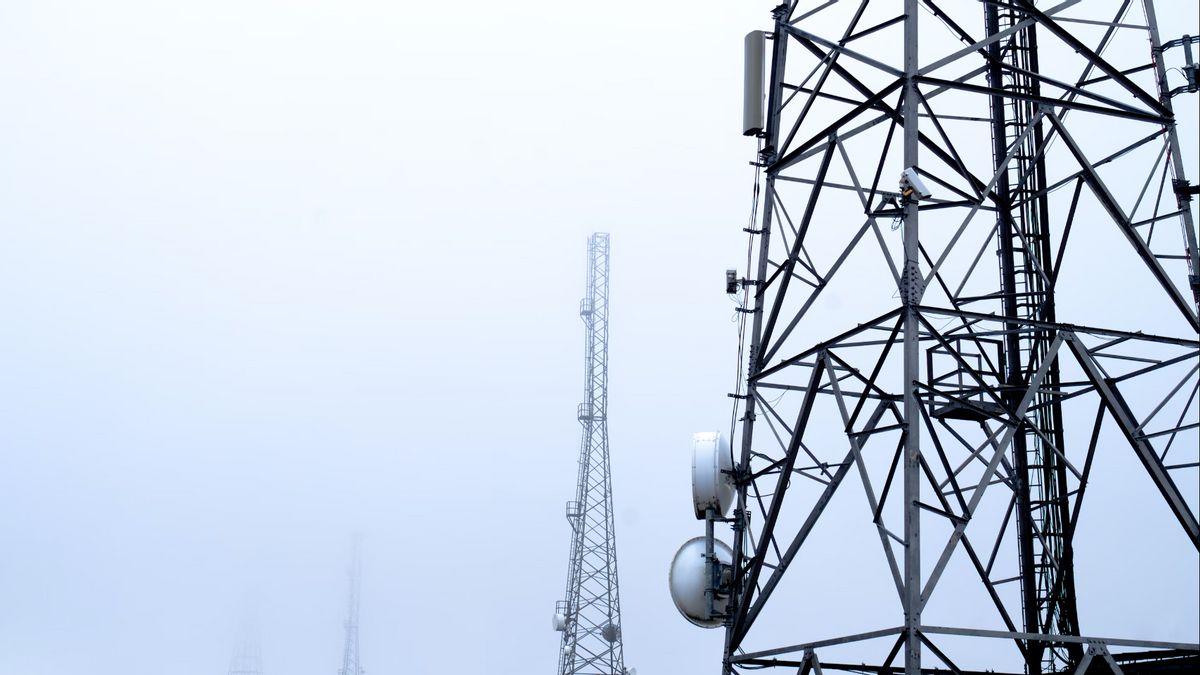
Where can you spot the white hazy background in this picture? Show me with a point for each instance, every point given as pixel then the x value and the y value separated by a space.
pixel 273 273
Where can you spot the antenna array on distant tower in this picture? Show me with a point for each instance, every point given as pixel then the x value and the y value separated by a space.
pixel 590 616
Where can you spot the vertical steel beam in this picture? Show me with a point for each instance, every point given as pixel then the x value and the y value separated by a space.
pixel 911 288
pixel 755 365
pixel 1177 166
pixel 1014 369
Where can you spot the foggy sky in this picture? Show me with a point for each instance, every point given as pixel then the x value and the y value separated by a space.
pixel 273 273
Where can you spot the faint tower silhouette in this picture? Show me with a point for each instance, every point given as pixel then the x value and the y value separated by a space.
pixel 589 618
pixel 247 656
pixel 350 651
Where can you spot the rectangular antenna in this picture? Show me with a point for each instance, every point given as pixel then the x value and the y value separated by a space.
pixel 752 90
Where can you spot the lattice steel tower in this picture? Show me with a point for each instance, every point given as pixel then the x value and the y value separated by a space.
pixel 590 616
pixel 972 303
pixel 247 657
pixel 351 664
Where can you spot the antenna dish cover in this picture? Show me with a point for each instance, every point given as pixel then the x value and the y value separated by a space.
pixel 689 577
pixel 712 482
pixel 559 622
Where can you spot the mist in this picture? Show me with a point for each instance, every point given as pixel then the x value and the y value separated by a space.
pixel 276 274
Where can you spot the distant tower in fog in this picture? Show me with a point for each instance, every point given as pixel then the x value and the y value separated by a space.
pixel 350 653
pixel 247 657
pixel 590 616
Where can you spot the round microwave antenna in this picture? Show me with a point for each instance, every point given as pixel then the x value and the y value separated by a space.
pixel 712 478
pixel 690 580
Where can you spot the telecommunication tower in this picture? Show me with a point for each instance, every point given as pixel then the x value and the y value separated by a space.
pixel 247 656
pixel 970 303
pixel 590 616
pixel 351 664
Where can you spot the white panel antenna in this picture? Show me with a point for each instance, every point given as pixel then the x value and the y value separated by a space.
pixel 753 92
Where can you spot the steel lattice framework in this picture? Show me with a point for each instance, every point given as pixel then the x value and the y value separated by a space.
pixel 351 655
pixel 591 637
pixel 247 656
pixel 936 382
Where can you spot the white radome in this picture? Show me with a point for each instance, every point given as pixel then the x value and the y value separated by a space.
pixel 559 622
pixel 688 579
pixel 712 484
